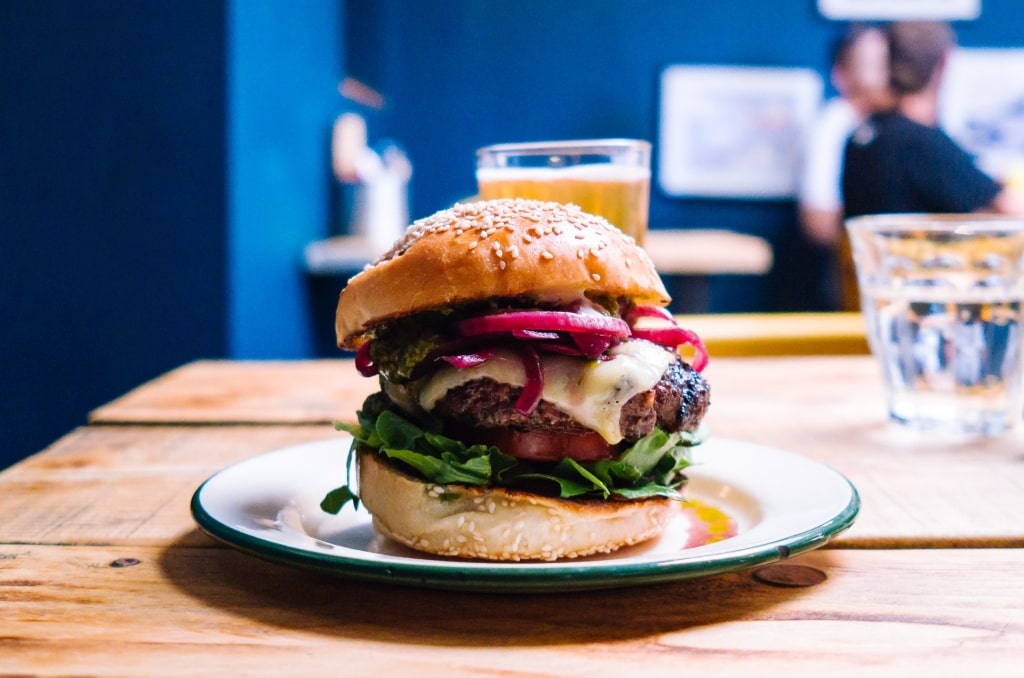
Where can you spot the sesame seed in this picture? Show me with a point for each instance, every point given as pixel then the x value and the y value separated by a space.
pixel 473 244
pixel 596 276
pixel 547 255
pixel 501 264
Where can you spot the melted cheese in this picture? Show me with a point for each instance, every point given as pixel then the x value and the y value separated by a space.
pixel 590 391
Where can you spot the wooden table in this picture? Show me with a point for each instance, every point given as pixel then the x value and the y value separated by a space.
pixel 103 572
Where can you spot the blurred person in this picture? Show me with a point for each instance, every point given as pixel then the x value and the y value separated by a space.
pixel 860 75
pixel 899 161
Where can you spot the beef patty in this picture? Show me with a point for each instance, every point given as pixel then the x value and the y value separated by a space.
pixel 677 402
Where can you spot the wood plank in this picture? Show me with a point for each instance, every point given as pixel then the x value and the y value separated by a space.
pixel 132 484
pixel 66 611
pixel 285 392
pixel 940 491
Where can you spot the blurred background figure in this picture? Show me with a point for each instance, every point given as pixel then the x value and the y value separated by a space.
pixel 860 75
pixel 899 161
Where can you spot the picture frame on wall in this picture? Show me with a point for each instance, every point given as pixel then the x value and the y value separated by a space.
pixel 734 132
pixel 981 106
pixel 900 10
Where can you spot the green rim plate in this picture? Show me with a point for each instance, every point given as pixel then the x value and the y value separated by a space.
pixel 778 505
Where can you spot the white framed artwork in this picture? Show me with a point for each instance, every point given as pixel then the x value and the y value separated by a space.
pixel 982 107
pixel 736 132
pixel 900 10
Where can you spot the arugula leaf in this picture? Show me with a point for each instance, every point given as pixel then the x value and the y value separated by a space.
pixel 336 499
pixel 651 467
pixel 557 486
pixel 445 469
pixel 568 465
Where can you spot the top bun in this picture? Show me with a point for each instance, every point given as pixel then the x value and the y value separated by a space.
pixel 497 249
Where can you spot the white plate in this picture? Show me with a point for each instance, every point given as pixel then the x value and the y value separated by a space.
pixel 775 504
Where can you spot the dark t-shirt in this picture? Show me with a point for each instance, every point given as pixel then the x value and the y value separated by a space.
pixel 895 165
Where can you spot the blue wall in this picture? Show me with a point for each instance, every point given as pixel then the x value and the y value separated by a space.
pixel 465 73
pixel 285 63
pixel 162 165
pixel 112 194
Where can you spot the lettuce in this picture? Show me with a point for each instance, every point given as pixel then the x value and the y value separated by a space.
pixel 651 467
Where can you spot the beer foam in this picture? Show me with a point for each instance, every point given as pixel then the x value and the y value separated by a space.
pixel 596 172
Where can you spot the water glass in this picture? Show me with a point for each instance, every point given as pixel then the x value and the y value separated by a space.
pixel 941 297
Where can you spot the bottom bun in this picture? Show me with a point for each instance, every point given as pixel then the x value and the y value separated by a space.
pixel 500 523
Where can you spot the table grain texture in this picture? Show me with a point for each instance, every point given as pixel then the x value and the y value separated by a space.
pixel 103 572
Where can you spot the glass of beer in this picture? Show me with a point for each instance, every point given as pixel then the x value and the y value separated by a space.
pixel 607 177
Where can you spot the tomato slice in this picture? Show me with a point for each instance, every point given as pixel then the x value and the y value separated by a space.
pixel 545 445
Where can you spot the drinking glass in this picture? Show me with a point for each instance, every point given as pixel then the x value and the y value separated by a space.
pixel 607 177
pixel 941 297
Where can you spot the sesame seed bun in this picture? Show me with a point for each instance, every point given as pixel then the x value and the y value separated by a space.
pixel 499 523
pixel 497 249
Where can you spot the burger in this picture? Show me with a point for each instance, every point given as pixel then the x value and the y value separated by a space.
pixel 533 402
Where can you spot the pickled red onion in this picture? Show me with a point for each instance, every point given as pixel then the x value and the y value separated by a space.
pixel 591 345
pixel 535 335
pixel 551 321
pixel 559 348
pixel 464 360
pixel 648 312
pixel 534 386
pixel 364 363
pixel 672 337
